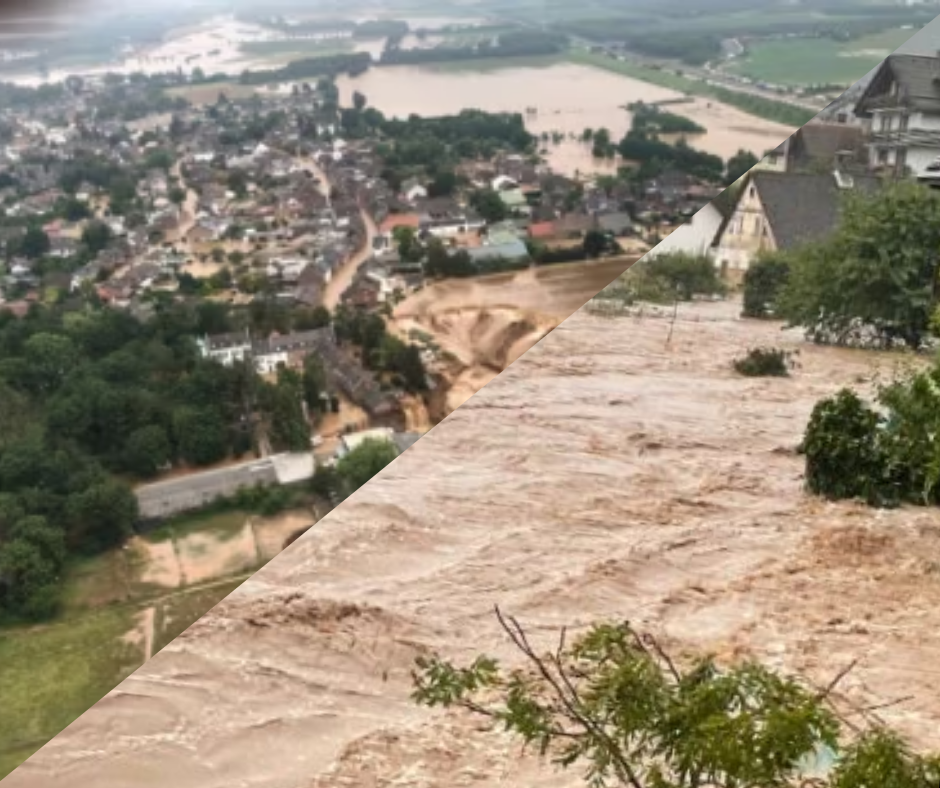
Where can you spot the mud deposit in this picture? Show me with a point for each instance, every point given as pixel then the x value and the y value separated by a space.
pixel 486 323
pixel 603 475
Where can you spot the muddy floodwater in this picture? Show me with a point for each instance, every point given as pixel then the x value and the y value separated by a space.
pixel 487 322
pixel 605 475
pixel 568 98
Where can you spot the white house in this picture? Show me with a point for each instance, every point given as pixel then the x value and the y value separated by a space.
pixel 902 107
pixel 226 348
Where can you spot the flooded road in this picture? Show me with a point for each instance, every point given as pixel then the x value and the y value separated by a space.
pixel 569 98
pixel 604 475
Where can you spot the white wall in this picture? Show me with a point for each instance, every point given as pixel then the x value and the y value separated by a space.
pixel 693 237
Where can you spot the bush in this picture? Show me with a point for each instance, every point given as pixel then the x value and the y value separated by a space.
pixel 764 363
pixel 762 282
pixel 685 275
pixel 843 455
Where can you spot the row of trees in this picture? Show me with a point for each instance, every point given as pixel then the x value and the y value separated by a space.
pixel 519 43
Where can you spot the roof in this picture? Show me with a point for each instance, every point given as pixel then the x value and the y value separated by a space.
pixel 822 141
pixel 400 220
pixel 512 250
pixel 542 230
pixel 801 207
pixel 917 78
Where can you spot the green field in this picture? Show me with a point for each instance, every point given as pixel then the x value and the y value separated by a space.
pixel 778 111
pixel 284 51
pixel 51 674
pixel 818 61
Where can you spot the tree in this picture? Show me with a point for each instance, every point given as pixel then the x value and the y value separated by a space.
pixel 200 435
pixel 28 580
pixel 685 275
pixel 315 384
pixel 615 702
pixel 101 516
pixel 763 281
pixel 177 197
pixel 96 236
pixel 37 531
pixel 595 243
pixel 489 205
pixel 359 101
pixel 409 247
pixel 875 277
pixel 364 462
pixel 740 164
pixel 284 403
pixel 35 243
pixel 148 451
pixel 443 184
pixel 49 358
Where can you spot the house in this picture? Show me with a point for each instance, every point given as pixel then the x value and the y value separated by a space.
pixel 617 223
pixel 351 442
pixel 278 350
pixel 503 182
pixel 819 147
pixel 901 106
pixel 514 200
pixel 779 211
pixel 512 250
pixel 226 348
pixel 695 237
pixel 413 190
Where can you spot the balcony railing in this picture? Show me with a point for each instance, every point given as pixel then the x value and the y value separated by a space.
pixel 918 138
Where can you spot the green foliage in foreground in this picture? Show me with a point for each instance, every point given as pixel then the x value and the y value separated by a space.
pixel 885 455
pixel 615 703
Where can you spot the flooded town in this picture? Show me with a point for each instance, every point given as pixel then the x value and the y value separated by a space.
pixel 249 259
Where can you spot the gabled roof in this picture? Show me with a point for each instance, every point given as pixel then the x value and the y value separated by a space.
pixel 801 207
pixel 917 78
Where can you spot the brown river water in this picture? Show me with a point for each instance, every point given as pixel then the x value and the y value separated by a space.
pixel 568 97
pixel 606 474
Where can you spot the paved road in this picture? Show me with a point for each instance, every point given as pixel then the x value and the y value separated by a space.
pixel 163 499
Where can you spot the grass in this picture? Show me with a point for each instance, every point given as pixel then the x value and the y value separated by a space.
pixel 223 525
pixel 818 61
pixel 278 50
pixel 52 674
pixel 174 614
pixel 97 581
pixel 769 109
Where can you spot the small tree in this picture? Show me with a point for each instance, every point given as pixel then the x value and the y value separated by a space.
pixel 763 281
pixel 617 703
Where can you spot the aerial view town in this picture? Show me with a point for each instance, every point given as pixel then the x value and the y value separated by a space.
pixel 250 255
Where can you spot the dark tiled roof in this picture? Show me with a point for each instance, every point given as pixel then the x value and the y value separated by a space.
pixel 801 207
pixel 918 80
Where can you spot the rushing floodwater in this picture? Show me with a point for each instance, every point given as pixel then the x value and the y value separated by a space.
pixel 568 98
pixel 607 474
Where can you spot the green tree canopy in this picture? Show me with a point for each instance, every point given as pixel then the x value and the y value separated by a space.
pixel 876 276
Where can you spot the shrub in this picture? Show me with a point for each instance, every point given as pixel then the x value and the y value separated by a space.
pixel 843 456
pixel 685 275
pixel 762 282
pixel 764 363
